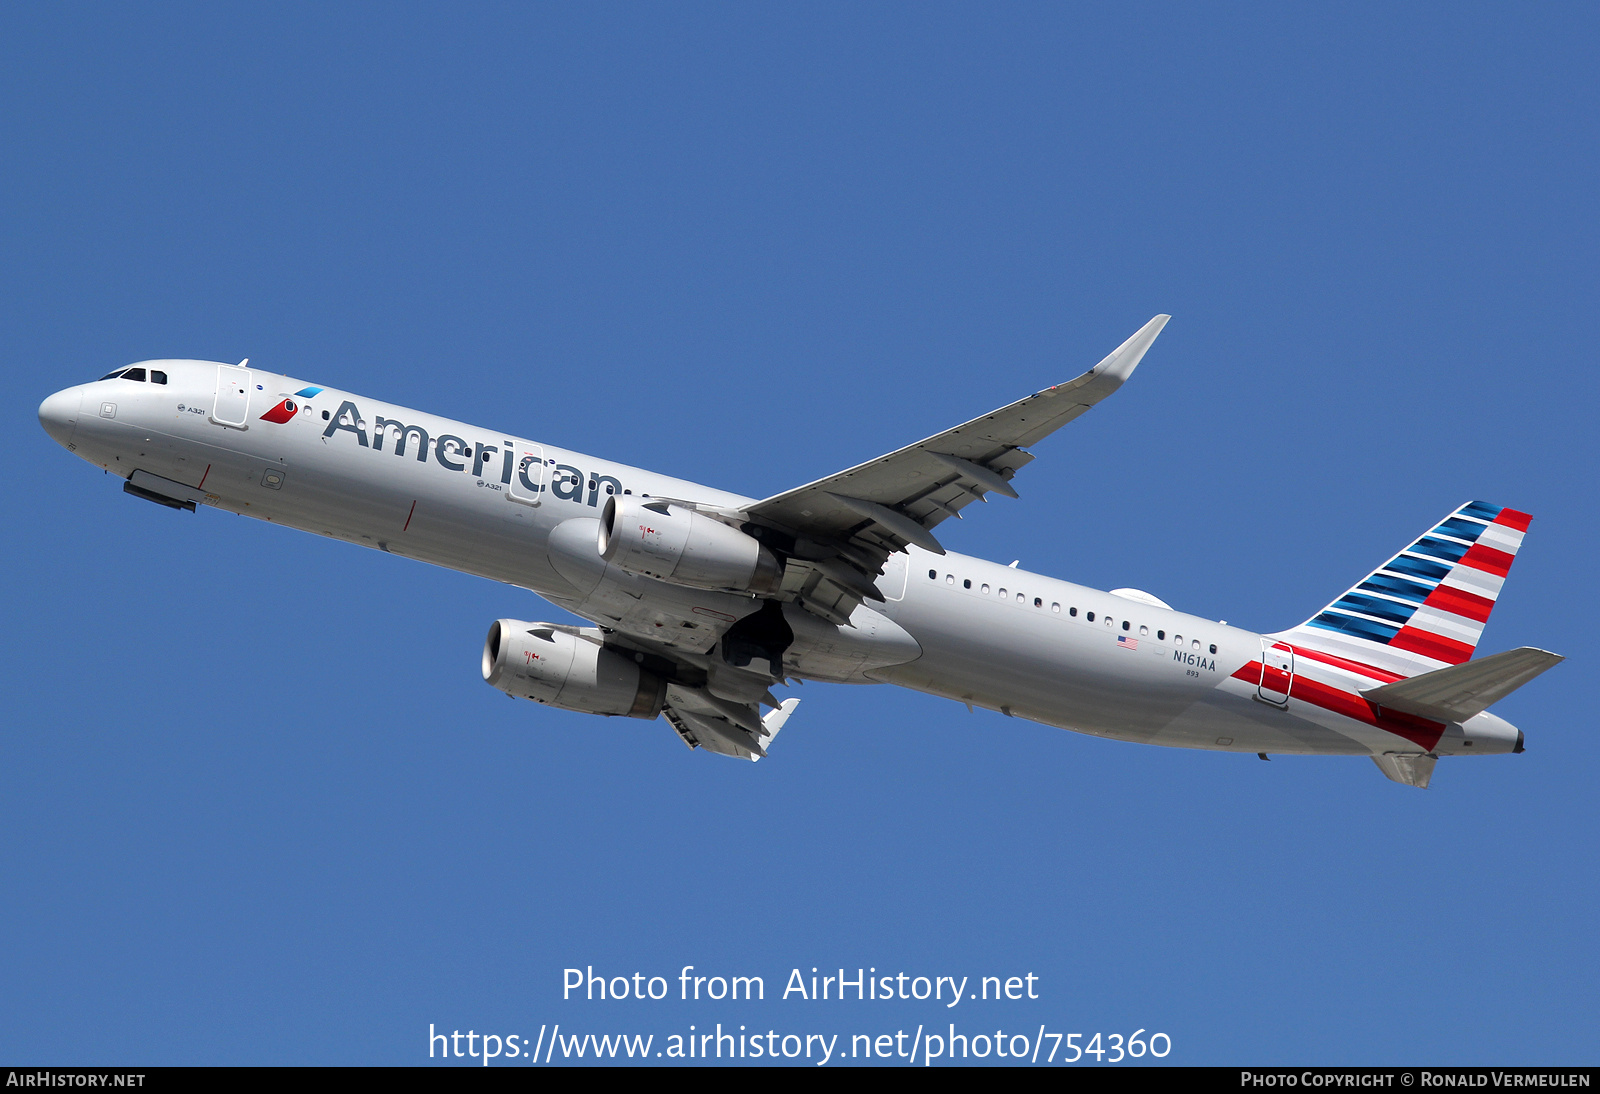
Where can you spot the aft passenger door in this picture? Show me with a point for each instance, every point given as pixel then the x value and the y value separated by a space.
pixel 527 473
pixel 1277 673
pixel 232 405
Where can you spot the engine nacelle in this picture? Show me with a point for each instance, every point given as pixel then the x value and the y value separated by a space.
pixel 684 547
pixel 573 671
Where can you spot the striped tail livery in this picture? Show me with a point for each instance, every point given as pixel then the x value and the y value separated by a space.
pixel 1414 623
pixel 1426 607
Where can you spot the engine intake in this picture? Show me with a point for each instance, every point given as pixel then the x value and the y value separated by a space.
pixel 681 546
pixel 573 671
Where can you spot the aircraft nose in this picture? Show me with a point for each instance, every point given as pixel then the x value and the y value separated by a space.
pixel 59 414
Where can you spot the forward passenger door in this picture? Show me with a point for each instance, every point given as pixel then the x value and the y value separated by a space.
pixel 232 405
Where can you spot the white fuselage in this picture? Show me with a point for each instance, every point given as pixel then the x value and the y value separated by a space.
pixel 984 634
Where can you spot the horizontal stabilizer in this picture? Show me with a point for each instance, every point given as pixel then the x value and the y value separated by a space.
pixel 1456 693
pixel 1408 769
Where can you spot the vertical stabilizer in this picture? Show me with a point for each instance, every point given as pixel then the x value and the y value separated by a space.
pixel 1426 607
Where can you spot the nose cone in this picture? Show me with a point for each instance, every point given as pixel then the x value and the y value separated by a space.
pixel 59 414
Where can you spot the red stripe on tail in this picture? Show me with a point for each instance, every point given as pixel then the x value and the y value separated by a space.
pixel 1488 560
pixel 1345 663
pixel 1419 731
pixel 1432 645
pixel 1460 602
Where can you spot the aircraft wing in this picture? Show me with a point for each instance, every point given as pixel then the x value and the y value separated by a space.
pixel 718 725
pixel 846 525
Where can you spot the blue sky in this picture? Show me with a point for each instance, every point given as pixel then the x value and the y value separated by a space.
pixel 260 806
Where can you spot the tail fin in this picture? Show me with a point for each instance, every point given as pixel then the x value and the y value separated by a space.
pixel 1426 607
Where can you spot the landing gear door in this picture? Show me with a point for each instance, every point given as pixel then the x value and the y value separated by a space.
pixel 527 473
pixel 232 406
pixel 1277 673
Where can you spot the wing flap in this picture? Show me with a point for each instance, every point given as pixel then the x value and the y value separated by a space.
pixel 717 725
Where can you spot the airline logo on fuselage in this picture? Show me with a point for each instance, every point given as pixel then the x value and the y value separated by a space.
pixel 283 412
pixel 452 453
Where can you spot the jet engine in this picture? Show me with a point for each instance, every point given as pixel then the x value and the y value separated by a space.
pixel 568 667
pixel 683 547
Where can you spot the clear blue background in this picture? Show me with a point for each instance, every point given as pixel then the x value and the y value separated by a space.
pixel 259 805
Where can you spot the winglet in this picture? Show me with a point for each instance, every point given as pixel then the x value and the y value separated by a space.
pixel 770 726
pixel 1120 362
pixel 774 721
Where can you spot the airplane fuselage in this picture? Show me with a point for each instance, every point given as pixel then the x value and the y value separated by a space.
pixel 515 510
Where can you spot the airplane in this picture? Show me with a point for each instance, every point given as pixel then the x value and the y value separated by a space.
pixel 702 601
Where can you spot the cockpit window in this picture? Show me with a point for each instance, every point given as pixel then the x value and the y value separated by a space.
pixel 157 377
pixel 134 374
pixel 113 375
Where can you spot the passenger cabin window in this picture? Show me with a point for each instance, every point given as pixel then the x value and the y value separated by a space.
pixel 1195 644
pixel 986 586
pixel 966 583
pixel 1161 635
pixel 134 374
pixel 1143 629
pixel 1177 640
pixel 1072 612
pixel 1090 617
pixel 1038 602
pixel 1125 624
pixel 1213 647
pixel 1056 608
pixel 1002 592
pixel 949 579
pixel 933 575
pixel 157 376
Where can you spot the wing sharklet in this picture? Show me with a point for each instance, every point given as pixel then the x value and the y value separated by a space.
pixel 1120 362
